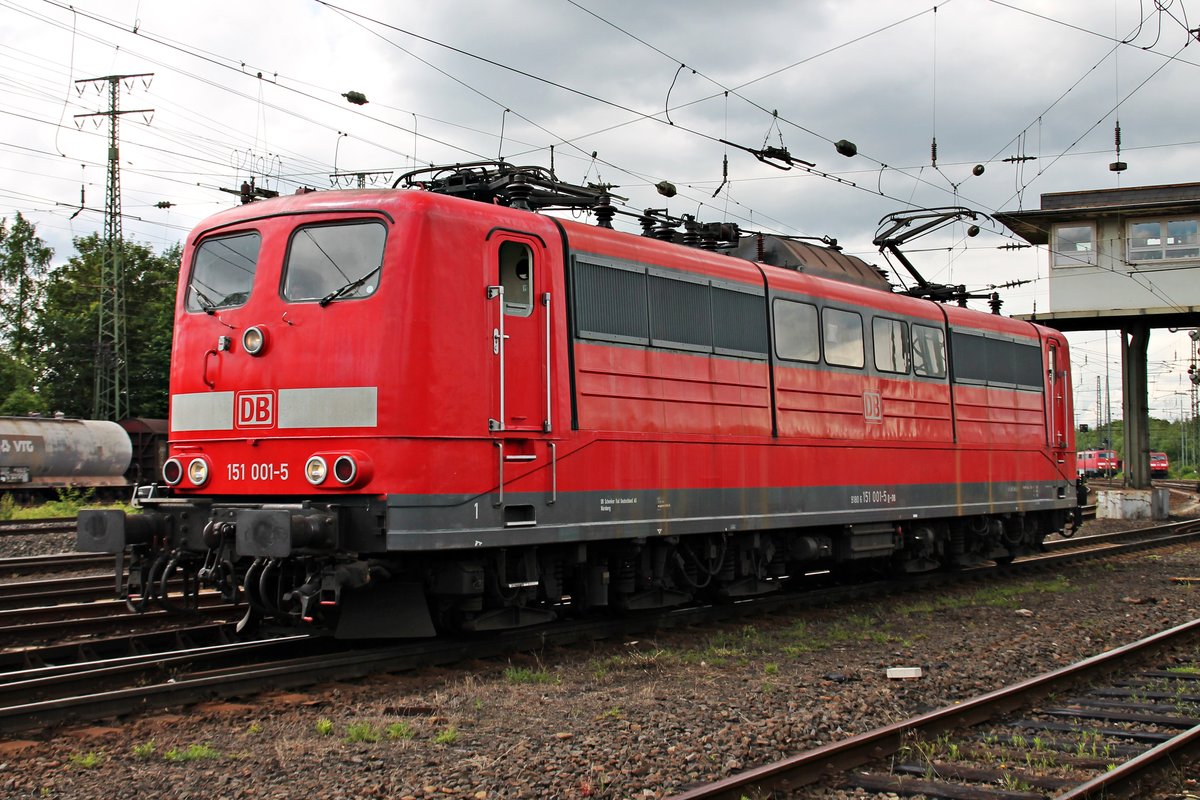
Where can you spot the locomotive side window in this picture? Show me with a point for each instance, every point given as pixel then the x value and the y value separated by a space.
pixel 620 301
pixel 797 336
pixel 223 272
pixel 516 276
pixel 890 343
pixel 334 262
pixel 996 362
pixel 843 334
pixel 928 351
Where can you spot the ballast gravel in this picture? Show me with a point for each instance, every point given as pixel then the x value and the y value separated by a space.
pixel 631 719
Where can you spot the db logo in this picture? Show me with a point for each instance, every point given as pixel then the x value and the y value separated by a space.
pixel 873 406
pixel 254 409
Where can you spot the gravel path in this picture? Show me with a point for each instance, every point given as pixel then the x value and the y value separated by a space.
pixel 618 719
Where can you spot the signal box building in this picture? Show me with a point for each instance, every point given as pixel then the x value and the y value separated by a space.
pixel 1123 259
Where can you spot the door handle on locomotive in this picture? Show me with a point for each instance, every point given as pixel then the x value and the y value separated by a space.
pixel 210 383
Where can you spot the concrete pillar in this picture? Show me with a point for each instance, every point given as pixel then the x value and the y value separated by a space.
pixel 1135 342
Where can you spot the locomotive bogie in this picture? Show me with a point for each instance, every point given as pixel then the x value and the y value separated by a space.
pixel 487 418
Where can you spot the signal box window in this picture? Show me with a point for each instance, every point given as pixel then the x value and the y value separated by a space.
pixel 843 334
pixel 1073 246
pixel 334 262
pixel 516 276
pixel 223 272
pixel 797 335
pixel 928 351
pixel 1164 240
pixel 890 340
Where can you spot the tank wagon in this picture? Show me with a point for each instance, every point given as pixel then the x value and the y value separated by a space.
pixel 43 453
pixel 399 411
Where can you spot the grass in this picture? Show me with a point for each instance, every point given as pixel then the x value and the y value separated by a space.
pixel 1011 596
pixel 802 638
pixel 324 727
pixel 447 736
pixel 362 732
pixel 88 760
pixel 524 675
pixel 144 750
pixel 631 660
pixel 399 730
pixel 193 752
pixel 68 504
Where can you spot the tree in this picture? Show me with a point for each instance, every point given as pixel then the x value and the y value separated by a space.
pixel 24 261
pixel 17 380
pixel 150 310
pixel 69 319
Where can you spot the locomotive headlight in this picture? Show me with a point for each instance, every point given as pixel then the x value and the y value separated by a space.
pixel 254 340
pixel 172 471
pixel 316 470
pixel 345 470
pixel 197 471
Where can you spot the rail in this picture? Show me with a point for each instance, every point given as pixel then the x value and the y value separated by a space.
pixel 819 764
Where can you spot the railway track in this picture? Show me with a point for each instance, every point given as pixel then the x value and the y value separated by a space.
pixel 169 678
pixel 78 589
pixel 26 527
pixel 1109 739
pixel 58 562
pixel 22 626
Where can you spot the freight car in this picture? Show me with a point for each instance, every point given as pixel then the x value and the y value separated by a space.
pixel 399 411
pixel 48 453
pixel 40 456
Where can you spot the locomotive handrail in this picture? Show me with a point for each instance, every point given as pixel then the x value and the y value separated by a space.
pixel 494 292
pixel 500 485
pixel 546 426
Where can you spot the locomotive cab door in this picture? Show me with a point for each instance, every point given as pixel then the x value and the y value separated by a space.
pixel 520 340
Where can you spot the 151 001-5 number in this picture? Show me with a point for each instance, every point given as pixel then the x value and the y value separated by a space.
pixel 256 472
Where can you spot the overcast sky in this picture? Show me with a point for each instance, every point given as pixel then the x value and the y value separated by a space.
pixel 256 89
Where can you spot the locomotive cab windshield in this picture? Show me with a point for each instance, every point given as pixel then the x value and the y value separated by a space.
pixel 332 262
pixel 223 272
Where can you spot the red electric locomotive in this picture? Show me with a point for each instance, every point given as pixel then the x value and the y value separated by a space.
pixel 1160 465
pixel 399 411
pixel 1094 463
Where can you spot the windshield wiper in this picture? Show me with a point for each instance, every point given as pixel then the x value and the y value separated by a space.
pixel 206 303
pixel 352 286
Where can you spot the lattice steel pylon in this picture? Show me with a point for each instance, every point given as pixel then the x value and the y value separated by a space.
pixel 111 399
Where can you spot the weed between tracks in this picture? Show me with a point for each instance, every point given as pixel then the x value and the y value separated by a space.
pixel 68 504
pixel 992 596
pixel 746 643
pixel 193 752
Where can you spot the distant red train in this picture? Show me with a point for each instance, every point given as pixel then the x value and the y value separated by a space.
pixel 397 411
pixel 1160 465
pixel 1093 463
